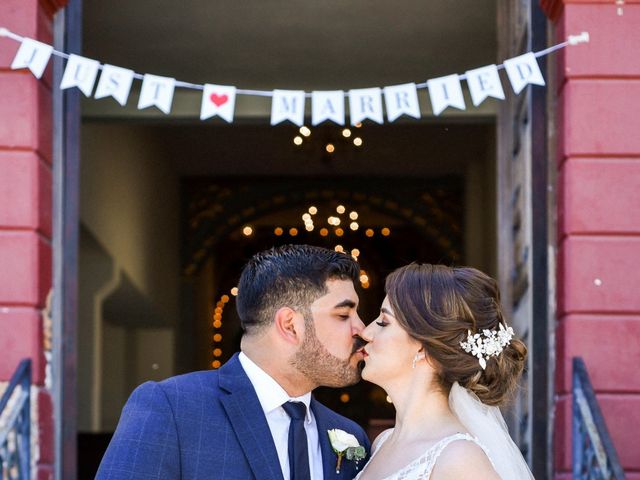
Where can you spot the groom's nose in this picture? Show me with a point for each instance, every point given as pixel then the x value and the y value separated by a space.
pixel 357 325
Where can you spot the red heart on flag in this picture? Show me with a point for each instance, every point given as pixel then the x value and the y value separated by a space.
pixel 219 99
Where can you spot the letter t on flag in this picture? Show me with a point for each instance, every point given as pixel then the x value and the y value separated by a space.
pixel 157 91
pixel 287 105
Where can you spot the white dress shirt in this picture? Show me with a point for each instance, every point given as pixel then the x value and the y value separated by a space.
pixel 271 396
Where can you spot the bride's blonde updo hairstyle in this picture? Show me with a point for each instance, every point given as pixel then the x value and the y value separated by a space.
pixel 437 305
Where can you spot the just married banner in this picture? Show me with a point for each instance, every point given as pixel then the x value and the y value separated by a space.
pixel 103 80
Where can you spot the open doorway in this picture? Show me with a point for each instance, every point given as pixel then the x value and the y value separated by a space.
pixel 165 200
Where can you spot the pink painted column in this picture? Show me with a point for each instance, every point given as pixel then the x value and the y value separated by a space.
pixel 599 219
pixel 25 210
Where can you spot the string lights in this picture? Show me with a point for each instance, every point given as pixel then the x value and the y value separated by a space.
pixel 329 140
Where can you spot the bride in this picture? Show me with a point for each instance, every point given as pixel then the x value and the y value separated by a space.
pixel 444 354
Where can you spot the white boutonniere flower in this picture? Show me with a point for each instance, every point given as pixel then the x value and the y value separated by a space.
pixel 345 445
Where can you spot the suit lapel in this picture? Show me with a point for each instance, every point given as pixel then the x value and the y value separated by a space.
pixel 329 457
pixel 248 421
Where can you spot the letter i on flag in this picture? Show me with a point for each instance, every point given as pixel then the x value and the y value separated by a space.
pixel 33 55
pixel 445 92
pixel 115 82
pixel 218 100
pixel 157 92
pixel 522 71
pixel 80 72
pixel 287 105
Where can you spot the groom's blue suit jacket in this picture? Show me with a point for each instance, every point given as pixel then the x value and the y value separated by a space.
pixel 208 425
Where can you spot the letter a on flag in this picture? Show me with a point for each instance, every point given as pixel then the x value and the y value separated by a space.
pixel 327 106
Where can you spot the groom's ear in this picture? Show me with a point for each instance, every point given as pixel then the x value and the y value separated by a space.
pixel 288 326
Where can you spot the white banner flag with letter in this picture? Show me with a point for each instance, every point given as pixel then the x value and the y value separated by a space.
pixel 287 105
pixel 484 82
pixel 327 106
pixel 33 55
pixel 115 82
pixel 365 103
pixel 522 71
pixel 445 92
pixel 80 72
pixel 218 100
pixel 401 100
pixel 157 92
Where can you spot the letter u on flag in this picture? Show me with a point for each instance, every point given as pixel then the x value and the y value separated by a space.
pixel 365 103
pixel 522 71
pixel 33 55
pixel 218 100
pixel 484 82
pixel 327 106
pixel 157 92
pixel 287 105
pixel 80 72
pixel 115 82
pixel 401 100
pixel 445 92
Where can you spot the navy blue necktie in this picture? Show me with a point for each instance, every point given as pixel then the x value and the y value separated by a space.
pixel 298 451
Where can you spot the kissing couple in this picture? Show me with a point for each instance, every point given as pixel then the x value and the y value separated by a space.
pixel 440 348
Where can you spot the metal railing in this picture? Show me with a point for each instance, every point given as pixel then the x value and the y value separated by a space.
pixel 15 425
pixel 594 456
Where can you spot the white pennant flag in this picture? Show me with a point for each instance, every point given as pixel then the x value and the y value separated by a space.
pixel 522 71
pixel 80 72
pixel 484 82
pixel 115 82
pixel 157 92
pixel 401 100
pixel 365 103
pixel 218 100
pixel 445 92
pixel 327 106
pixel 33 55
pixel 287 105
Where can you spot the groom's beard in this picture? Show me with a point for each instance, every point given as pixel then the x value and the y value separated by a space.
pixel 316 363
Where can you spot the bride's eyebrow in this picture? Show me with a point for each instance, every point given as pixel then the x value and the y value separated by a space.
pixel 387 311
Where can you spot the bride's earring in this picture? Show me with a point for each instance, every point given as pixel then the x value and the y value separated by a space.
pixel 419 356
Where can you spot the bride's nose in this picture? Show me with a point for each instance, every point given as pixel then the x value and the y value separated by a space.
pixel 367 333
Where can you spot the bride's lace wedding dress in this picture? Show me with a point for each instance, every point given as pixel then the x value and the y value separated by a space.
pixel 421 467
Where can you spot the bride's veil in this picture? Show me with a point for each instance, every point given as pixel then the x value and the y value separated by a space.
pixel 486 423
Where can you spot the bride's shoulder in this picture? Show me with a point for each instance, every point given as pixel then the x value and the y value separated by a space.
pixel 380 439
pixel 462 459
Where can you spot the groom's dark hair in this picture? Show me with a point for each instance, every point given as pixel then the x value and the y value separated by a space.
pixel 288 276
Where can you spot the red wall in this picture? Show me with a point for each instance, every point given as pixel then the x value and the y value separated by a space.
pixel 599 219
pixel 25 209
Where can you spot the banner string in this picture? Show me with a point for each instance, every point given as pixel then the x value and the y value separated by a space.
pixel 571 40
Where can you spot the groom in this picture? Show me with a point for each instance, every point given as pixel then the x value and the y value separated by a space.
pixel 255 417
